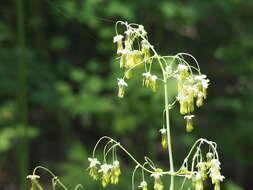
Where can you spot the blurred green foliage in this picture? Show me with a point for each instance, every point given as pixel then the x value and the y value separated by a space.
pixel 71 73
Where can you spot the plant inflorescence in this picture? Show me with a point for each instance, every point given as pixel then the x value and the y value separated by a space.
pixel 136 52
pixel 202 161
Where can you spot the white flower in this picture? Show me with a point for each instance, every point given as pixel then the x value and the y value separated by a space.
pixel 124 51
pixel 93 162
pixel 143 183
pixel 116 163
pixel 217 177
pixel 105 168
pixel 122 82
pixel 129 31
pixel 197 176
pixel 181 97
pixel 205 83
pixel 182 67
pixel 215 164
pixel 156 175
pixel 146 75
pixel 32 177
pixel 200 77
pixel 191 89
pixel 141 27
pixel 117 38
pixel 188 117
pixel 168 70
pixel 163 131
pixel 154 78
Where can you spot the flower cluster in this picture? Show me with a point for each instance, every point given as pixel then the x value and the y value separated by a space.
pixel 131 56
pixel 210 167
pixel 109 172
pixel 190 87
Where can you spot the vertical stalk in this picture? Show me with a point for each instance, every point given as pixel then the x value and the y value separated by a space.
pixel 168 132
pixel 22 149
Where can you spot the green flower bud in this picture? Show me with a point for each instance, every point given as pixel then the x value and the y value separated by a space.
pixel 199 101
pixel 164 138
pixel 189 123
pixel 115 172
pixel 122 84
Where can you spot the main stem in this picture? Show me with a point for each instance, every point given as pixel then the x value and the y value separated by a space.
pixel 168 132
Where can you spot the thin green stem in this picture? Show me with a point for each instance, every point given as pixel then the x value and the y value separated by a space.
pixel 168 132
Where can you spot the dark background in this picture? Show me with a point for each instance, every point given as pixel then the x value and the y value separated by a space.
pixel 58 81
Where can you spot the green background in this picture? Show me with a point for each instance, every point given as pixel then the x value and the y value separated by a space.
pixel 58 86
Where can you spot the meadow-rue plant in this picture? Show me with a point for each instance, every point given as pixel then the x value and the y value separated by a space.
pixel 136 52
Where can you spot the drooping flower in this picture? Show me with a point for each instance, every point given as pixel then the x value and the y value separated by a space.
pixel 150 81
pixel 209 157
pixel 182 72
pixel 106 174
pixel 35 183
pixel 93 168
pixel 133 58
pixel 147 78
pixel 202 84
pixel 123 58
pixel 145 48
pixel 122 84
pixel 197 181
pixel 189 123
pixel 164 138
pixel 129 39
pixel 168 70
pixel 153 84
pixel 143 185
pixel 158 185
pixel 141 30
pixel 115 172
pixel 118 39
pixel 215 174
pixel 202 168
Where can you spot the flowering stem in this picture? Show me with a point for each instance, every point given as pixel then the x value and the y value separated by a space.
pixel 168 132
